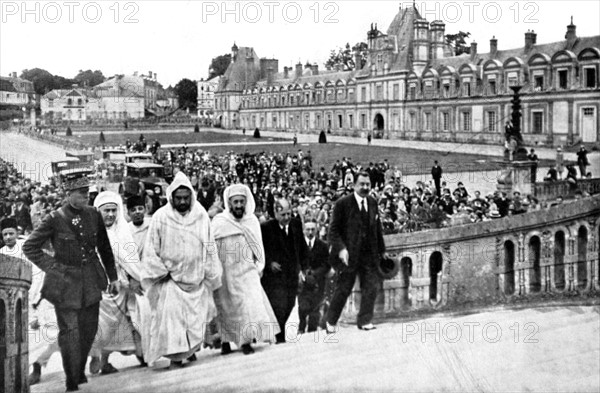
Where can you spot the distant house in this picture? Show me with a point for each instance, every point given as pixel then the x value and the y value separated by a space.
pixel 167 101
pixel 121 97
pixel 16 91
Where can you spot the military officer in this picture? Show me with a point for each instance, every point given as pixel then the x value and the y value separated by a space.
pixel 75 278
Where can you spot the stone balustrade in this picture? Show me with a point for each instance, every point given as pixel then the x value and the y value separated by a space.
pixel 547 253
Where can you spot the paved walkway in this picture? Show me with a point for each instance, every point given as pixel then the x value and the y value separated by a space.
pixel 549 349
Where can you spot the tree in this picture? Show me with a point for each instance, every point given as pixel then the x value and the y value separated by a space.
pixel 187 93
pixel 102 138
pixel 457 41
pixel 219 65
pixel 43 81
pixel 345 57
pixel 89 78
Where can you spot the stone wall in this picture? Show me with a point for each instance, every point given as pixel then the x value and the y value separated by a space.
pixel 15 280
pixel 547 253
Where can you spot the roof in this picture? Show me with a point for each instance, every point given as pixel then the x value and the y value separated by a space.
pixel 18 85
pixel 123 86
pixel 143 165
pixel 241 73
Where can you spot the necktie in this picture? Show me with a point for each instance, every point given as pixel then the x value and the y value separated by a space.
pixel 363 212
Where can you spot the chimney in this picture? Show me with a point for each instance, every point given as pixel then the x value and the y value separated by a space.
pixel 571 35
pixel 286 74
pixel 473 50
pixel 530 39
pixel 150 74
pixel 493 45
pixel 155 76
pixel 269 76
pixel 14 74
pixel 315 69
pixel 357 59
pixel 298 70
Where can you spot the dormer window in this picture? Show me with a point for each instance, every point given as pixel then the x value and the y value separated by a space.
pixel 563 79
pixel 590 77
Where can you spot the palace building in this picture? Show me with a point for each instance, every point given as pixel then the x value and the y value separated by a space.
pixel 413 87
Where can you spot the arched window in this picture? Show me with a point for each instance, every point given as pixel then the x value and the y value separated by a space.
pixel 582 243
pixel 3 340
pixel 435 267
pixel 559 260
pixel 405 274
pixel 509 268
pixel 535 275
pixel 19 342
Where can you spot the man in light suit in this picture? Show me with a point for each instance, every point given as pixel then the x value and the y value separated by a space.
pixel 356 239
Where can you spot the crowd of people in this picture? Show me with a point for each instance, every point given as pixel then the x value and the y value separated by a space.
pixel 241 239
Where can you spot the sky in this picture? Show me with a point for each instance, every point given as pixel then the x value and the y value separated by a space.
pixel 178 39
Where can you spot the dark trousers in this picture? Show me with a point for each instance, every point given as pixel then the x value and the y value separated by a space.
pixel 282 298
pixel 438 187
pixel 369 283
pixel 77 329
pixel 309 307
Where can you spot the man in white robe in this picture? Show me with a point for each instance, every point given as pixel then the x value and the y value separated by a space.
pixel 244 313
pixel 181 271
pixel 116 331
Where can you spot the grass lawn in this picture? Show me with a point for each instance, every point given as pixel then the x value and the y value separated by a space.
pixel 410 161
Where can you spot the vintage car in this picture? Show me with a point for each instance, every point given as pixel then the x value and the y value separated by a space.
pixel 64 164
pixel 83 157
pixel 114 155
pixel 145 179
pixel 139 157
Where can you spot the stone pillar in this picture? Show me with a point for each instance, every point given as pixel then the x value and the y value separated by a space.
pixel 15 280
pixel 516 176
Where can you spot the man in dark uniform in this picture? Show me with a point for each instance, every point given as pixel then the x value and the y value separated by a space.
pixel 313 287
pixel 75 278
pixel 356 239
pixel 285 257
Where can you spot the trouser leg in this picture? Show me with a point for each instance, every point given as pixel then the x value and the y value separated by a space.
pixel 369 285
pixel 88 326
pixel 344 284
pixel 69 343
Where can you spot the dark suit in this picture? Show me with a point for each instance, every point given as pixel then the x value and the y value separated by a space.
pixel 363 238
pixel 436 173
pixel 290 252
pixel 313 288
pixel 84 277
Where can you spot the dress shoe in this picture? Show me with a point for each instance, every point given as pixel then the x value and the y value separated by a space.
pixel 95 365
pixel 330 329
pixel 82 379
pixel 192 358
pixel 36 374
pixel 368 327
pixel 176 364
pixel 108 369
pixel 72 388
pixel 141 361
pixel 247 349
pixel 226 348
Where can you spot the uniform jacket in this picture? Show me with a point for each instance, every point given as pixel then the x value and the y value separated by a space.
pixel 78 261
pixel 344 232
pixel 276 250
